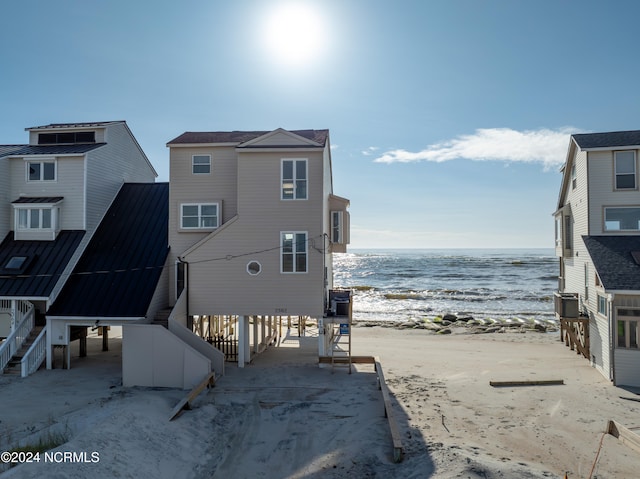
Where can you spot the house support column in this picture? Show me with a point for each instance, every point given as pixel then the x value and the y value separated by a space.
pixel 255 335
pixel 105 338
pixel 244 349
pixel 49 350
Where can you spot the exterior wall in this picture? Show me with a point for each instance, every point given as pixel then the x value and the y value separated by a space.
pixel 5 199
pixel 219 186
pixel 69 184
pixel 602 192
pixel 627 371
pixel 152 356
pixel 578 200
pixel 120 161
pixel 224 286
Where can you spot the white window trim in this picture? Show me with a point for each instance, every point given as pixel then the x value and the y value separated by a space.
pixel 41 161
pixel 600 296
pixel 193 164
pixel 604 219
pixel 294 160
pixel 635 171
pixel 306 252
pixel 340 215
pixel 259 268
pixel 626 320
pixel 29 207
pixel 200 205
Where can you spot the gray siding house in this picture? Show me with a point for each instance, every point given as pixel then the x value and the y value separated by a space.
pixel 253 224
pixel 598 245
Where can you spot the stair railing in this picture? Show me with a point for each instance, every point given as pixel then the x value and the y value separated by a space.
pixel 14 341
pixel 35 355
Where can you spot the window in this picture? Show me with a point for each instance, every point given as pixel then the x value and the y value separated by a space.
pixel 200 216
pixel 622 219
pixel 627 330
pixel 568 234
pixel 15 262
pixel 254 268
pixel 625 166
pixel 294 252
pixel 67 138
pixel 294 179
pixel 201 164
pixel 574 180
pixel 34 218
pixel 602 305
pixel 336 226
pixel 41 170
pixel 586 281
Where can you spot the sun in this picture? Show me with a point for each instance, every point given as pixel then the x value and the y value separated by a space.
pixel 295 33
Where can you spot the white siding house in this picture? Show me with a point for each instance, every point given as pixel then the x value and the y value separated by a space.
pixel 54 193
pixel 253 223
pixel 598 245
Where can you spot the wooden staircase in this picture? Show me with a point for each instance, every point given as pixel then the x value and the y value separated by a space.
pixel 13 366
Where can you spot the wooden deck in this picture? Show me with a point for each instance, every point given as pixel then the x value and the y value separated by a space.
pixel 575 334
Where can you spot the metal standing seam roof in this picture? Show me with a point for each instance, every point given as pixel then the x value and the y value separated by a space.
pixel 607 140
pixel 319 136
pixel 48 259
pixel 47 150
pixel 119 270
pixel 614 262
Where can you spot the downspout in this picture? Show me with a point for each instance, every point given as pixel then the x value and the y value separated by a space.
pixel 612 356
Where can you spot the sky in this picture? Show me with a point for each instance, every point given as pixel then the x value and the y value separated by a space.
pixel 449 119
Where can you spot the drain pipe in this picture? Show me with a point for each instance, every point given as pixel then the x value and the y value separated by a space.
pixel 612 331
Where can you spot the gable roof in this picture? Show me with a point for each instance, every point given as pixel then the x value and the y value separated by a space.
pixel 48 259
pixel 119 270
pixel 614 262
pixel 240 137
pixel 587 141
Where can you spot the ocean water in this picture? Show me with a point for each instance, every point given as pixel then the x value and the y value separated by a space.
pixel 501 284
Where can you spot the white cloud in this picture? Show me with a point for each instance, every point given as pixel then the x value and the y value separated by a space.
pixel 370 150
pixel 545 146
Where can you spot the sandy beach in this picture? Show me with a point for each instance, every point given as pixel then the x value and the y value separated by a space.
pixel 284 417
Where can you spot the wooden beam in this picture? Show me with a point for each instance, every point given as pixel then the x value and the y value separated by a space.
pixel 546 382
pixel 185 402
pixel 393 425
pixel 354 360
pixel 624 435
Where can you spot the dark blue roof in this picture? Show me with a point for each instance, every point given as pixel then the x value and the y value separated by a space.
pixel 608 140
pixel 612 258
pixel 27 150
pixel 120 268
pixel 47 260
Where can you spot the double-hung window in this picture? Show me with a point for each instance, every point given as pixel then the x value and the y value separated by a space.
pixel 294 179
pixel 41 170
pixel 602 305
pixel 201 164
pixel 194 216
pixel 625 166
pixel 293 245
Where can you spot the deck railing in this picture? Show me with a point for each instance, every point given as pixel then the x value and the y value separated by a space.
pixel 13 343
pixel 35 355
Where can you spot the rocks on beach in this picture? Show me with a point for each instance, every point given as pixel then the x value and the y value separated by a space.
pixel 447 323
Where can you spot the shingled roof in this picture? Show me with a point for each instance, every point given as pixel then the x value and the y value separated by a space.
pixel 239 137
pixel 612 139
pixel 614 262
pixel 119 270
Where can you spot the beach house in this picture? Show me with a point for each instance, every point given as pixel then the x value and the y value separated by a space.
pixel 59 194
pixel 597 240
pixel 253 224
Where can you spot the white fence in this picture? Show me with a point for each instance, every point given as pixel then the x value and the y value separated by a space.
pixel 24 315
pixel 35 355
